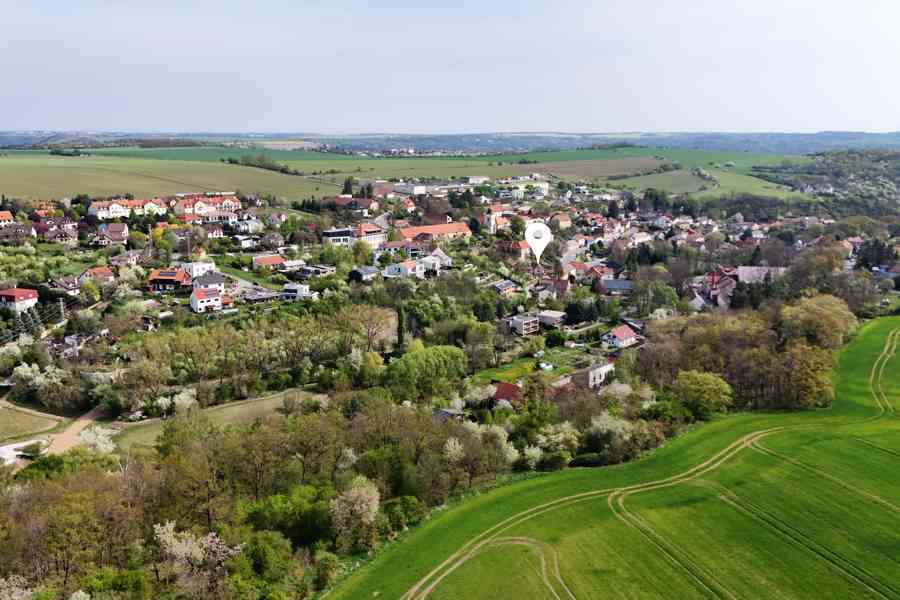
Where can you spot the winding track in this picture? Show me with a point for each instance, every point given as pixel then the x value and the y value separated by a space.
pixel 616 501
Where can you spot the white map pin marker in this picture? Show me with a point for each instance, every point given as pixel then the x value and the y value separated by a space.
pixel 538 235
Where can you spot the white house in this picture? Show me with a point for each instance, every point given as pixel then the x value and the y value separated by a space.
pixel 620 337
pixel 18 300
pixel 196 269
pixel 206 300
pixel 292 292
pixel 408 268
pixel 597 374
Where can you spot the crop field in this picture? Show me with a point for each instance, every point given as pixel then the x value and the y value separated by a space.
pixel 245 411
pixel 757 505
pixel 41 176
pixel 15 423
pixel 152 171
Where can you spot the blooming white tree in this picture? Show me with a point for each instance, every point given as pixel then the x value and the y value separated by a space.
pixel 532 455
pixel 347 459
pixel 185 400
pixel 98 439
pixel 15 588
pixel 606 424
pixel 198 562
pixel 353 514
pixel 561 437
pixel 454 451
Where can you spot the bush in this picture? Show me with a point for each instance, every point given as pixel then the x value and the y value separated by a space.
pixel 327 565
pixel 404 511
pixel 553 461
pixel 590 459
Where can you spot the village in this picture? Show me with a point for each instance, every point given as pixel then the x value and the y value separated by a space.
pixel 616 263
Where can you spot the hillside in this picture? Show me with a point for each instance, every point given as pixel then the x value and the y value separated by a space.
pixel 799 505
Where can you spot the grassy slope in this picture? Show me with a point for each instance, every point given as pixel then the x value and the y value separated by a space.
pixel 245 411
pixel 16 424
pixel 807 529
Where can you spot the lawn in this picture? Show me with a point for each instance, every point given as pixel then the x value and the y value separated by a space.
pixel 245 411
pixel 563 359
pixel 733 509
pixel 247 275
pixel 16 424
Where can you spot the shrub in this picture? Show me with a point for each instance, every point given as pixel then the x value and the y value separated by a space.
pixel 553 461
pixel 591 459
pixel 326 569
pixel 404 511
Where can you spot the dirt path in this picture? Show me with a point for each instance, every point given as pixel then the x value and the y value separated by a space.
pixel 68 438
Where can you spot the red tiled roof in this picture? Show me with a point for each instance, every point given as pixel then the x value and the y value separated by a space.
pixel 5 215
pixel 18 294
pixel 268 261
pixel 622 333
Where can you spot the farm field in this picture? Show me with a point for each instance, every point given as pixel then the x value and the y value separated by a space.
pixel 759 505
pixel 244 411
pixel 15 423
pixel 150 171
pixel 32 175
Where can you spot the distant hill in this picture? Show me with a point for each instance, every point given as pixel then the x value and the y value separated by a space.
pixel 780 143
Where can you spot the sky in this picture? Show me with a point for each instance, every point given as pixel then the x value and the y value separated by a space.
pixel 347 66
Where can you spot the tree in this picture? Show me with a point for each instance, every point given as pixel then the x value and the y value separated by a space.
pixel 348 186
pixel 703 393
pixel 353 514
pixel 362 253
pixel 613 210
pixel 198 562
pixel 823 321
pixel 89 292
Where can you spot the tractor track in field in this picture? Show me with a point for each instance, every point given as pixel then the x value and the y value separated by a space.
pixel 850 569
pixel 877 447
pixel 822 474
pixel 616 498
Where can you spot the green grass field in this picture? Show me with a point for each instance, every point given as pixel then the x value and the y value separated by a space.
pixel 40 176
pixel 245 411
pixel 146 172
pixel 17 424
pixel 761 505
pixel 563 359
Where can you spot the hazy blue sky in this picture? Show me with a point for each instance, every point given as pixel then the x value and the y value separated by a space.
pixel 450 66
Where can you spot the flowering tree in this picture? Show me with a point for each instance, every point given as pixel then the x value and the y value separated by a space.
pixel 353 515
pixel 532 455
pixel 198 562
pixel 98 438
pixel 453 451
pixel 562 437
pixel 15 588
